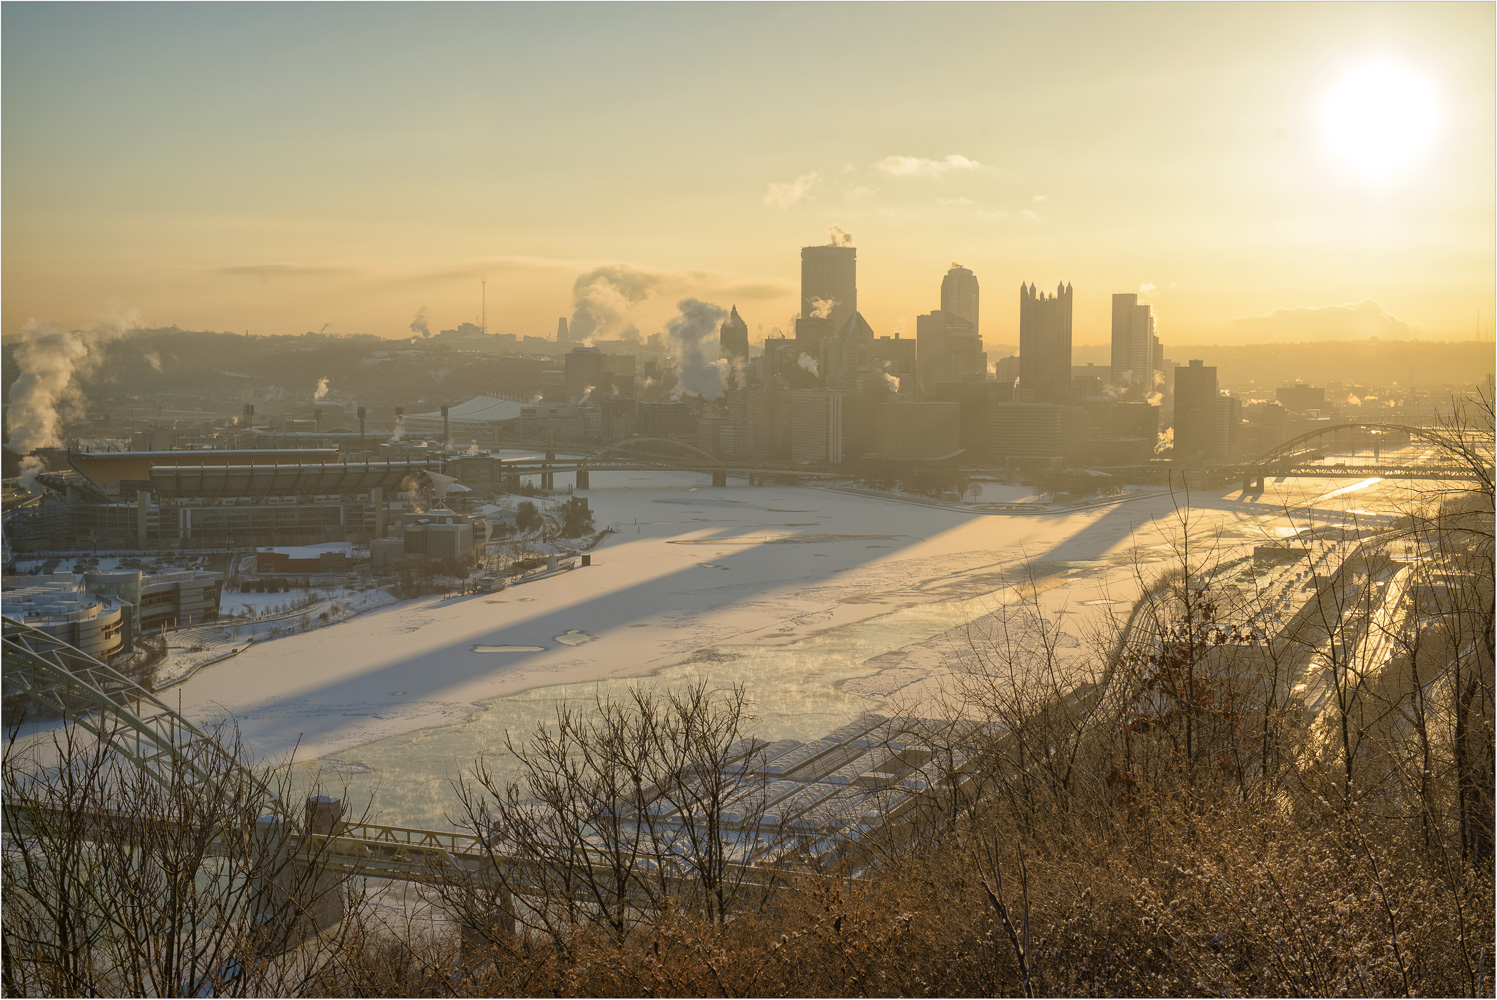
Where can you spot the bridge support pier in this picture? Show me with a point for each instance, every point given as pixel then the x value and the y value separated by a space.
pixel 583 481
pixel 548 480
pixel 293 899
pixel 483 924
pixel 719 479
pixel 1252 483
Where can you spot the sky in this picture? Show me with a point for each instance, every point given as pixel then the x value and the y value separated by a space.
pixel 279 168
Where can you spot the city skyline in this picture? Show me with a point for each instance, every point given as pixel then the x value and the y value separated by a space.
pixel 345 168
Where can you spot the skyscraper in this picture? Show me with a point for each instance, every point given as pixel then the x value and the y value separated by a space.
pixel 1134 341
pixel 1195 411
pixel 563 338
pixel 732 337
pixel 959 295
pixel 1044 345
pixel 828 291
pixel 948 350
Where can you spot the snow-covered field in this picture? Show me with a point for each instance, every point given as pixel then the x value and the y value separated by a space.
pixel 822 603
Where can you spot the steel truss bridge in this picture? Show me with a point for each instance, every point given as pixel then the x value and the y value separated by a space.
pixel 1303 455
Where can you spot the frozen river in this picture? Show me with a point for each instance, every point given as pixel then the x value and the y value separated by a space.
pixel 822 604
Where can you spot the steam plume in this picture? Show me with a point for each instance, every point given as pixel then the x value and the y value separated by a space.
pixel 822 308
pixel 399 431
pixel 809 364
pixel 603 302
pixel 696 324
pixel 839 237
pixel 1166 441
pixel 418 325
pixel 321 389
pixel 892 381
pixel 586 392
pixel 51 360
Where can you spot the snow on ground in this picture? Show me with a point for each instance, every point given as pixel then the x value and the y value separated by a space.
pixel 822 603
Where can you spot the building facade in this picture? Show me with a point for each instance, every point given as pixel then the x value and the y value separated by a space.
pixel 816 426
pixel 959 295
pixel 828 291
pixel 732 337
pixel 1195 411
pixel 1135 341
pixel 1045 345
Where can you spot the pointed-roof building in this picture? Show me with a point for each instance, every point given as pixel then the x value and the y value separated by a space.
pixel 732 337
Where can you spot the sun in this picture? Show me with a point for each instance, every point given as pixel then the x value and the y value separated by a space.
pixel 1379 117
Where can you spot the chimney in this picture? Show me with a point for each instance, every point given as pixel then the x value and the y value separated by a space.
pixel 361 426
pixel 446 430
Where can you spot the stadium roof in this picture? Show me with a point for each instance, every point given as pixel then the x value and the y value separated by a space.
pixel 106 469
pixel 478 410
pixel 320 479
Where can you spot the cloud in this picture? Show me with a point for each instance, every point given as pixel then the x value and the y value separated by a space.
pixel 992 215
pixel 783 195
pixel 859 193
pixel 1147 288
pixel 916 166
pixel 1040 198
pixel 962 202
pixel 838 237
pixel 267 271
pixel 1351 321
pixel 1028 215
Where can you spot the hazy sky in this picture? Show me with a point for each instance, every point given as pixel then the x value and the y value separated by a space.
pixel 278 167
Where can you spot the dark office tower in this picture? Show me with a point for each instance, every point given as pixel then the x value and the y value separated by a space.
pixel 1044 345
pixel 1195 411
pixel 563 337
pixel 828 291
pixel 732 337
pixel 959 295
pixel 1134 342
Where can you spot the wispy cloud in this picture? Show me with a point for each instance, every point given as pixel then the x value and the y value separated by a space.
pixel 1040 199
pixel 1147 288
pixel 264 271
pixel 1029 216
pixel 858 193
pixel 917 166
pixel 783 195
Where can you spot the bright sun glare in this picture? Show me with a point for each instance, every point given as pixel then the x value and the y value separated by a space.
pixel 1379 117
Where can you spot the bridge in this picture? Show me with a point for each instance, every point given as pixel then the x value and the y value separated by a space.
pixel 654 455
pixel 1304 455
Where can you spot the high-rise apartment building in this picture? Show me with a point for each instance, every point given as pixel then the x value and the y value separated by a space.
pixel 828 291
pixel 1135 343
pixel 1045 345
pixel 959 295
pixel 732 337
pixel 1195 411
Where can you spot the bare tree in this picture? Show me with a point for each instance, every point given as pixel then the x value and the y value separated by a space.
pixel 126 880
